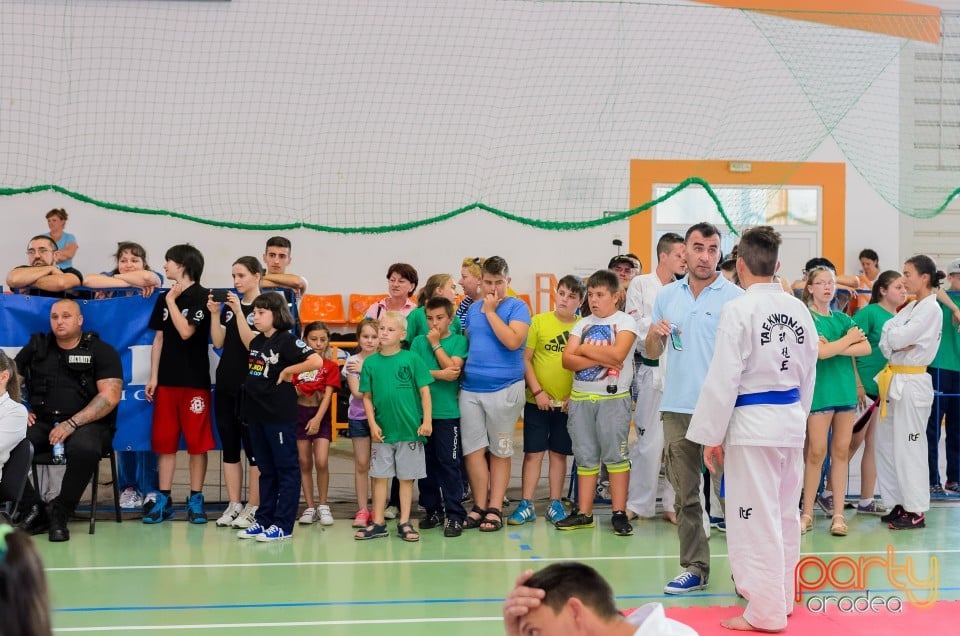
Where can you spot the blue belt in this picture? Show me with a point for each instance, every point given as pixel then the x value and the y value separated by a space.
pixel 790 396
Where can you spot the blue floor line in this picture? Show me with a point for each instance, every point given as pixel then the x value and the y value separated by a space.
pixel 433 601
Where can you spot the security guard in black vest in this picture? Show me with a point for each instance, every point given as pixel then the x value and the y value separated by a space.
pixel 73 382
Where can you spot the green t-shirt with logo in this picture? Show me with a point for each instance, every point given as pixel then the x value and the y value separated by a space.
pixel 443 393
pixel 836 383
pixel 548 337
pixel 394 384
pixel 948 355
pixel 417 325
pixel 871 320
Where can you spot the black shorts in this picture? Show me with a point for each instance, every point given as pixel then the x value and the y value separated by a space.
pixel 545 430
pixel 234 434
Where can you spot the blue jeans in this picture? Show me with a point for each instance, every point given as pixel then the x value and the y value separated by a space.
pixel 138 470
pixel 946 405
pixel 275 447
pixel 442 488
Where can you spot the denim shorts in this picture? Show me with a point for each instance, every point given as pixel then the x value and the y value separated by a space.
pixel 357 429
pixel 834 409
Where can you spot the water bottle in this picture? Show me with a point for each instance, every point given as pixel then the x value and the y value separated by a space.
pixel 59 456
pixel 613 376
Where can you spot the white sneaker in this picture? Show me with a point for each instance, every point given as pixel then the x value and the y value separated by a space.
pixel 130 499
pixel 230 514
pixel 246 518
pixel 309 516
pixel 326 519
pixel 391 512
pixel 252 532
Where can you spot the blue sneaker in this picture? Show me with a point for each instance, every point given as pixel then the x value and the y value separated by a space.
pixel 273 533
pixel 684 583
pixel 195 512
pixel 719 523
pixel 157 508
pixel 556 512
pixel 251 532
pixel 524 512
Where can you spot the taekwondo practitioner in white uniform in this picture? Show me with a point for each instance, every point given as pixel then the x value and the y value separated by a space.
pixel 909 341
pixel 647 449
pixel 751 417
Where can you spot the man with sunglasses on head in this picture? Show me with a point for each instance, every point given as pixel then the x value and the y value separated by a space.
pixel 41 276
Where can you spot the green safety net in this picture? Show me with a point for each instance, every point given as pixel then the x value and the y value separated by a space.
pixel 377 115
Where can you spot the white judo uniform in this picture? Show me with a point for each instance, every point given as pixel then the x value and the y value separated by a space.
pixel 901 437
pixel 755 403
pixel 646 451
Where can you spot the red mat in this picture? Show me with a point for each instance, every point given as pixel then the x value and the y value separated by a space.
pixel 942 618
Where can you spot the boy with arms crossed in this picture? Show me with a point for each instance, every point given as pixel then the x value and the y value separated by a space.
pixel 396 399
pixel 277 257
pixel 443 353
pixel 755 402
pixel 600 353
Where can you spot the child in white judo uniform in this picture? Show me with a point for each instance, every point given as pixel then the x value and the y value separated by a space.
pixel 755 402
pixel 909 341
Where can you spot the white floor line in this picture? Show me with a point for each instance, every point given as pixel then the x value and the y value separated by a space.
pixel 385 621
pixel 528 560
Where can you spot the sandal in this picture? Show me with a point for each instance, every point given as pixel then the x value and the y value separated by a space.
pixel 806 523
pixel 406 532
pixel 373 531
pixel 838 527
pixel 491 525
pixel 469 523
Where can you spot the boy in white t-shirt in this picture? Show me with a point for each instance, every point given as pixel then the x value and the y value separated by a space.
pixel 600 353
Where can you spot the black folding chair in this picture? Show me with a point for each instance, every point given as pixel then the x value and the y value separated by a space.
pixel 46 459
pixel 15 474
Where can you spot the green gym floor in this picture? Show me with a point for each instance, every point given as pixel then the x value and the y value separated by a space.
pixel 132 577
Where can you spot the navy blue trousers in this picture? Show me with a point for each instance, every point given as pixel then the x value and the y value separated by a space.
pixel 442 488
pixel 948 404
pixel 275 447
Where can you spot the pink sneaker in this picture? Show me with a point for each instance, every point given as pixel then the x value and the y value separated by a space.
pixel 362 520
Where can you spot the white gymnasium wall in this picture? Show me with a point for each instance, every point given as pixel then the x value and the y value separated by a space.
pixel 641 110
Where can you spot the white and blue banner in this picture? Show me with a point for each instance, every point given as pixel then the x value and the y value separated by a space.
pixel 121 322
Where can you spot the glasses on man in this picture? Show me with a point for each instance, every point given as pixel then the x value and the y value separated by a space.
pixel 39 250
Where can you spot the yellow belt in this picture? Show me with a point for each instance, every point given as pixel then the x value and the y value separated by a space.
pixel 886 375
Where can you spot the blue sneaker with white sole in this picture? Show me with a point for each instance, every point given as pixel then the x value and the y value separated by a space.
pixel 685 583
pixel 273 533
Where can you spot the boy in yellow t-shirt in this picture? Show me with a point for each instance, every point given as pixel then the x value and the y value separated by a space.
pixel 548 391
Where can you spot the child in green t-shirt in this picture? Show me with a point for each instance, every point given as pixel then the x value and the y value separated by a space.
pixel 834 399
pixel 397 401
pixel 443 352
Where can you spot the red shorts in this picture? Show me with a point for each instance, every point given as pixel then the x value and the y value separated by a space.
pixel 179 409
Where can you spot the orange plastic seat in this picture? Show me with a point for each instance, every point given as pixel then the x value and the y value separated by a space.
pixel 359 303
pixel 328 309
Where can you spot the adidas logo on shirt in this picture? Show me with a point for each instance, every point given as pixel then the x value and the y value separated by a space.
pixel 558 344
